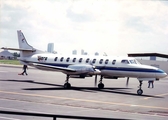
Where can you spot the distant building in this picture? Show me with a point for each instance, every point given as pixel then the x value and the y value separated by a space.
pixel 82 52
pixel 50 47
pixel 6 55
pixel 96 53
pixel 74 52
pixel 85 53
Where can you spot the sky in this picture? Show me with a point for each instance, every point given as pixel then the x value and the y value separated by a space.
pixel 116 27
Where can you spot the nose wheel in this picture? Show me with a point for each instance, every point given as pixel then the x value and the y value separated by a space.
pixel 140 91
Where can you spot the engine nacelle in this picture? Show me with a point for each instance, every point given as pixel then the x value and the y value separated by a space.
pixel 84 69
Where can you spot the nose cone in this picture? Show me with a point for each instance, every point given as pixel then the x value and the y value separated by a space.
pixel 160 73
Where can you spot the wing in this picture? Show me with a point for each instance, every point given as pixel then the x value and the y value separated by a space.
pixel 53 68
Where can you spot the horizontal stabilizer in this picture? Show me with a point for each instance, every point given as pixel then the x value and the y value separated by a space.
pixel 19 49
pixel 50 67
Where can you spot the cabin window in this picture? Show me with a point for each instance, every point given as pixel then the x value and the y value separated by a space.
pixel 55 58
pixel 125 61
pixel 68 59
pixel 74 59
pixel 113 62
pixel 106 62
pixel 94 60
pixel 101 61
pixel 80 60
pixel 62 58
pixel 87 60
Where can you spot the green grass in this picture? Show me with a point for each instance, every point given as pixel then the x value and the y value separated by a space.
pixel 14 62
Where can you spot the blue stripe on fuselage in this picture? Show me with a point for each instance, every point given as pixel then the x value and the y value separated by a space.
pixel 108 68
pixel 132 69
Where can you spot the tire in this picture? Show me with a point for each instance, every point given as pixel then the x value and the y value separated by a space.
pixel 139 91
pixel 100 85
pixel 67 85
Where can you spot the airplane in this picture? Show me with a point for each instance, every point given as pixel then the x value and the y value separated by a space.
pixel 75 66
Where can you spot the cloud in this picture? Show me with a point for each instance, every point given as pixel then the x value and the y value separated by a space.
pixel 116 27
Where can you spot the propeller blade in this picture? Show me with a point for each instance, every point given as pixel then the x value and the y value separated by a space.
pixel 127 81
pixel 95 80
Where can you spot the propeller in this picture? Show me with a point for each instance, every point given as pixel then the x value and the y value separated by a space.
pixel 95 80
pixel 127 81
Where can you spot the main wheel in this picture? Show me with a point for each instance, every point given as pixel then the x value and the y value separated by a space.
pixel 100 85
pixel 139 91
pixel 67 85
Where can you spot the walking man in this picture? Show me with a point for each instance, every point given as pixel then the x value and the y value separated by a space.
pixel 24 69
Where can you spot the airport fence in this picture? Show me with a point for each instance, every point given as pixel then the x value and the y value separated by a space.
pixel 54 116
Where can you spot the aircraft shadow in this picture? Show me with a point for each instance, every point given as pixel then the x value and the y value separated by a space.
pixel 84 89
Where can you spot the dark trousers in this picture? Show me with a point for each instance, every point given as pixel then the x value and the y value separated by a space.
pixel 24 72
pixel 151 82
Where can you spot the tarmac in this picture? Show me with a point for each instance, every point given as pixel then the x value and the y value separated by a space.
pixel 42 91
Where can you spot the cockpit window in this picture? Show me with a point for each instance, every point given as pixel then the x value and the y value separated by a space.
pixel 134 61
pixel 125 61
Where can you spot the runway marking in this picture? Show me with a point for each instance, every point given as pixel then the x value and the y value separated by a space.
pixel 9 118
pixel 3 71
pixel 164 94
pixel 84 100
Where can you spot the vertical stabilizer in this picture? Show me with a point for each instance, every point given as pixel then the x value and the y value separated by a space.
pixel 22 41
pixel 25 49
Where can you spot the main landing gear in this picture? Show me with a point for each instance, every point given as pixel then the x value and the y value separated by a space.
pixel 67 85
pixel 140 91
pixel 101 85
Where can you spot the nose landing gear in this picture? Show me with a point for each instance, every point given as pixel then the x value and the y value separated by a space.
pixel 140 91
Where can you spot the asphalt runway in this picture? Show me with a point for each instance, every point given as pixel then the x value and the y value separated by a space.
pixel 42 91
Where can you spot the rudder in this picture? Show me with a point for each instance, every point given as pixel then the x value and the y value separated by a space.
pixel 22 41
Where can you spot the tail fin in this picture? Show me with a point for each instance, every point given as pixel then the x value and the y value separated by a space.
pixel 22 41
pixel 24 48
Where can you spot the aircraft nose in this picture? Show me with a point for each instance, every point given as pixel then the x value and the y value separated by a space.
pixel 161 74
pixel 164 74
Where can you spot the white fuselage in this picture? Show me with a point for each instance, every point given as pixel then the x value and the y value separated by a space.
pixel 109 66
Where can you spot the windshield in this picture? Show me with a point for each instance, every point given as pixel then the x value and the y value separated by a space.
pixel 134 61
